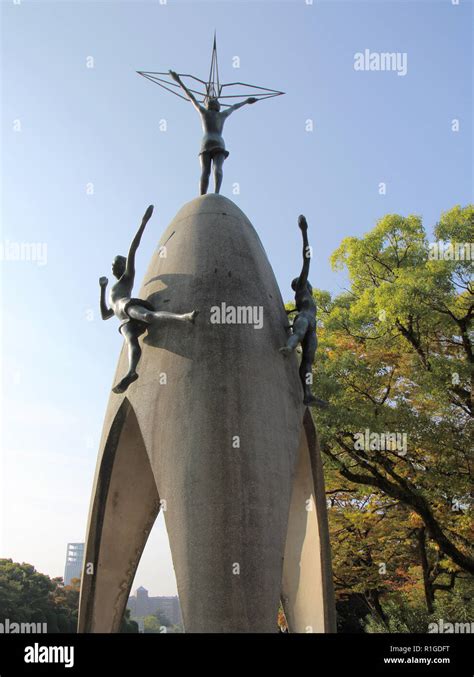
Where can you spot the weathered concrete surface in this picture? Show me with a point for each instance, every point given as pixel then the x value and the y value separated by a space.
pixel 222 436
pixel 307 590
pixel 124 510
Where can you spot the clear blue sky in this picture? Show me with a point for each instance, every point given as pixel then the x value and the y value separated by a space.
pixel 101 125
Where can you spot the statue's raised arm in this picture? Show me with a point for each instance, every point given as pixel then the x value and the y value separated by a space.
pixel 187 91
pixel 303 278
pixel 130 266
pixel 236 106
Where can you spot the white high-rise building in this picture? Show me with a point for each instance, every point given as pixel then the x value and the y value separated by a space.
pixel 74 560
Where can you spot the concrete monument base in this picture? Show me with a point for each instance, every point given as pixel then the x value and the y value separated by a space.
pixel 214 432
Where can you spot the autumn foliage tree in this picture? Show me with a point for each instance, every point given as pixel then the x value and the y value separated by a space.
pixel 395 357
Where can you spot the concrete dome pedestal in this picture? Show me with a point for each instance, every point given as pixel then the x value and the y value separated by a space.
pixel 214 432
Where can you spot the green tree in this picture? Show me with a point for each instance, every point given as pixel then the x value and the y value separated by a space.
pixel 152 624
pixel 163 619
pixel 27 596
pixel 395 356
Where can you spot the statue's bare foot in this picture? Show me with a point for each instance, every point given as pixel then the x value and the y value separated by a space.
pixel 311 401
pixel 286 350
pixel 192 316
pixel 122 386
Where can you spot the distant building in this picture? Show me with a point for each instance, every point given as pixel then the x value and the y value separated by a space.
pixel 142 605
pixel 74 560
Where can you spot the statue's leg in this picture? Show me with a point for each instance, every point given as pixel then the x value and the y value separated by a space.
pixel 142 314
pixel 218 170
pixel 185 317
pixel 309 345
pixel 130 334
pixel 205 172
pixel 300 327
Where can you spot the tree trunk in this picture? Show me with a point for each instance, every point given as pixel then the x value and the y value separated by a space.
pixel 429 592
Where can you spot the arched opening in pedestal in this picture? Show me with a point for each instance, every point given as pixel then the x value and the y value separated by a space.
pixel 124 508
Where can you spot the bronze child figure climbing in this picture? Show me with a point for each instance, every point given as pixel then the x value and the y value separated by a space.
pixel 304 325
pixel 136 314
